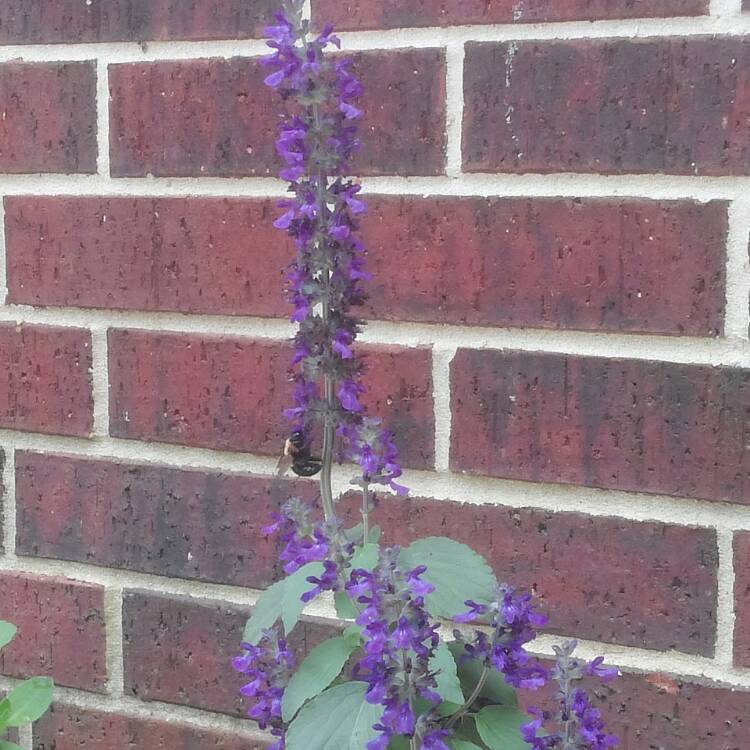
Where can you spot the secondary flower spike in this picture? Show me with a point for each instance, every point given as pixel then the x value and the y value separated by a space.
pixel 317 138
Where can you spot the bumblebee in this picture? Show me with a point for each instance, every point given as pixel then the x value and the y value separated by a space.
pixel 297 456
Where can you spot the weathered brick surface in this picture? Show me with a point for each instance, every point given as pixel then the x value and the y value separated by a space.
pixel 591 264
pixel 648 585
pixel 608 106
pixel 48 119
pixel 69 728
pixel 153 519
pixel 187 254
pixel 60 630
pixel 46 379
pixel 215 117
pixel 63 21
pixel 742 599
pixel 612 423
pixel 388 14
pixel 229 393
pixel 178 650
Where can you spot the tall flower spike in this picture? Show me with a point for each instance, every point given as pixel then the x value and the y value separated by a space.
pixel 316 141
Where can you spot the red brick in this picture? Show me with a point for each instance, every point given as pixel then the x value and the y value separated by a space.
pixel 216 118
pixel 376 14
pixel 229 393
pixel 612 423
pixel 609 106
pixel 49 117
pixel 649 585
pixel 54 21
pixel 153 519
pixel 742 599
pixel 70 728
pixel 187 254
pixel 46 379
pixel 178 650
pixel 586 264
pixel 60 630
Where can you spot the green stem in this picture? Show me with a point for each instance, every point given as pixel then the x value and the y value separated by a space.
pixel 366 512
pixel 470 700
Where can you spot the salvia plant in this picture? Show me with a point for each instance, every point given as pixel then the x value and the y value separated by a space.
pixel 27 701
pixel 389 680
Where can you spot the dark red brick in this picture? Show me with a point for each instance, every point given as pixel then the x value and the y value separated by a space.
pixel 187 254
pixel 48 119
pixel 742 599
pixel 586 264
pixel 613 423
pixel 662 713
pixel 376 14
pixel 591 264
pixel 46 385
pixel 229 393
pixel 69 728
pixel 670 105
pixel 216 118
pixel 178 649
pixel 150 518
pixel 62 21
pixel 60 630
pixel 649 585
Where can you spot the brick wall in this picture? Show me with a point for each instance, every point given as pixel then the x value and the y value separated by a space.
pixel 559 224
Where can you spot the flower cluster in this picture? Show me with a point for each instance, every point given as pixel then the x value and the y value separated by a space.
pixel 399 641
pixel 514 623
pixel 579 725
pixel 268 665
pixel 316 141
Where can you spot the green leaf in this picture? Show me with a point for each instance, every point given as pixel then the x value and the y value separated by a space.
pixel 398 743
pixel 375 534
pixel 28 701
pixel 495 689
pixel 7 632
pixel 500 727
pixel 282 600
pixel 5 745
pixel 353 636
pixel 366 556
pixel 338 719
pixel 321 667
pixel 448 684
pixel 455 744
pixel 345 609
pixel 455 570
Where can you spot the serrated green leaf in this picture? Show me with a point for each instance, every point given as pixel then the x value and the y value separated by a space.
pixel 338 719
pixel 321 667
pixel 280 601
pixel 455 570
pixel 345 609
pixel 495 689
pixel 500 727
pixel 448 684
pixel 28 701
pixel 7 632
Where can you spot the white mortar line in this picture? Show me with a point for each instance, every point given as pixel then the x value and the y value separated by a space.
pixel 563 185
pixel 456 488
pixel 725 7
pixel 675 349
pixel 26 737
pixel 150 711
pixel 102 118
pixel 114 639
pixel 129 52
pixel 737 323
pixel 454 97
pixel 100 379
pixel 441 385
pixel 3 261
pixel 9 498
pixel 307 10
pixel 725 615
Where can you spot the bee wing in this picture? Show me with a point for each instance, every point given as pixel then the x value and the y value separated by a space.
pixel 284 464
